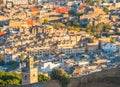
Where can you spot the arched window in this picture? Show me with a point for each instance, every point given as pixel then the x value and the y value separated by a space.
pixel 25 77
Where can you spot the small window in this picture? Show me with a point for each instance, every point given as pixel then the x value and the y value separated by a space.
pixel 33 75
pixel 25 77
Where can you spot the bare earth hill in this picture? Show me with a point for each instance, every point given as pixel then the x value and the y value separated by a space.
pixel 107 78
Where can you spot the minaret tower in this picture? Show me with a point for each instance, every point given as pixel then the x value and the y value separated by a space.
pixel 29 73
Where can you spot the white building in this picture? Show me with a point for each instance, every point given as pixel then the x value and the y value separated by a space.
pixel 11 57
pixel 83 63
pixel 109 47
pixel 17 2
pixel 48 66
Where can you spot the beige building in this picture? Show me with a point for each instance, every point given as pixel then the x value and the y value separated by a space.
pixel 43 51
pixel 15 23
pixel 78 71
pixel 17 2
pixel 92 46
pixel 29 73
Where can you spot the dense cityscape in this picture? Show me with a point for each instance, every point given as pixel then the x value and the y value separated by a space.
pixel 43 40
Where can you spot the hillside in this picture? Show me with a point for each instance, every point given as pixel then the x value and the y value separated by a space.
pixel 108 78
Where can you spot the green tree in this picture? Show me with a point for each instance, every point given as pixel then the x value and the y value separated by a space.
pixel 94 29
pixel 69 27
pixel 76 24
pixel 72 13
pixel 2 63
pixel 9 78
pixel 90 2
pixel 112 40
pixel 75 28
pixel 89 28
pixel 13 82
pixel 61 76
pixel 22 58
pixel 46 21
pixel 1 82
pixel 98 2
pixel 99 29
pixel 2 73
pixel 108 25
pixel 13 64
pixel 55 25
pixel 43 78
pixel 106 10
pixel 58 25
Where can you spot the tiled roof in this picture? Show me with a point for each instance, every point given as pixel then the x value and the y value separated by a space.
pixel 83 5
pixel 34 9
pixel 2 33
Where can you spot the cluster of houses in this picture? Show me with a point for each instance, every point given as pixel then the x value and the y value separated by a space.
pixel 22 32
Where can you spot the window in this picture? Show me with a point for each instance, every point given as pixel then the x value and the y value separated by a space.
pixel 33 75
pixel 25 77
